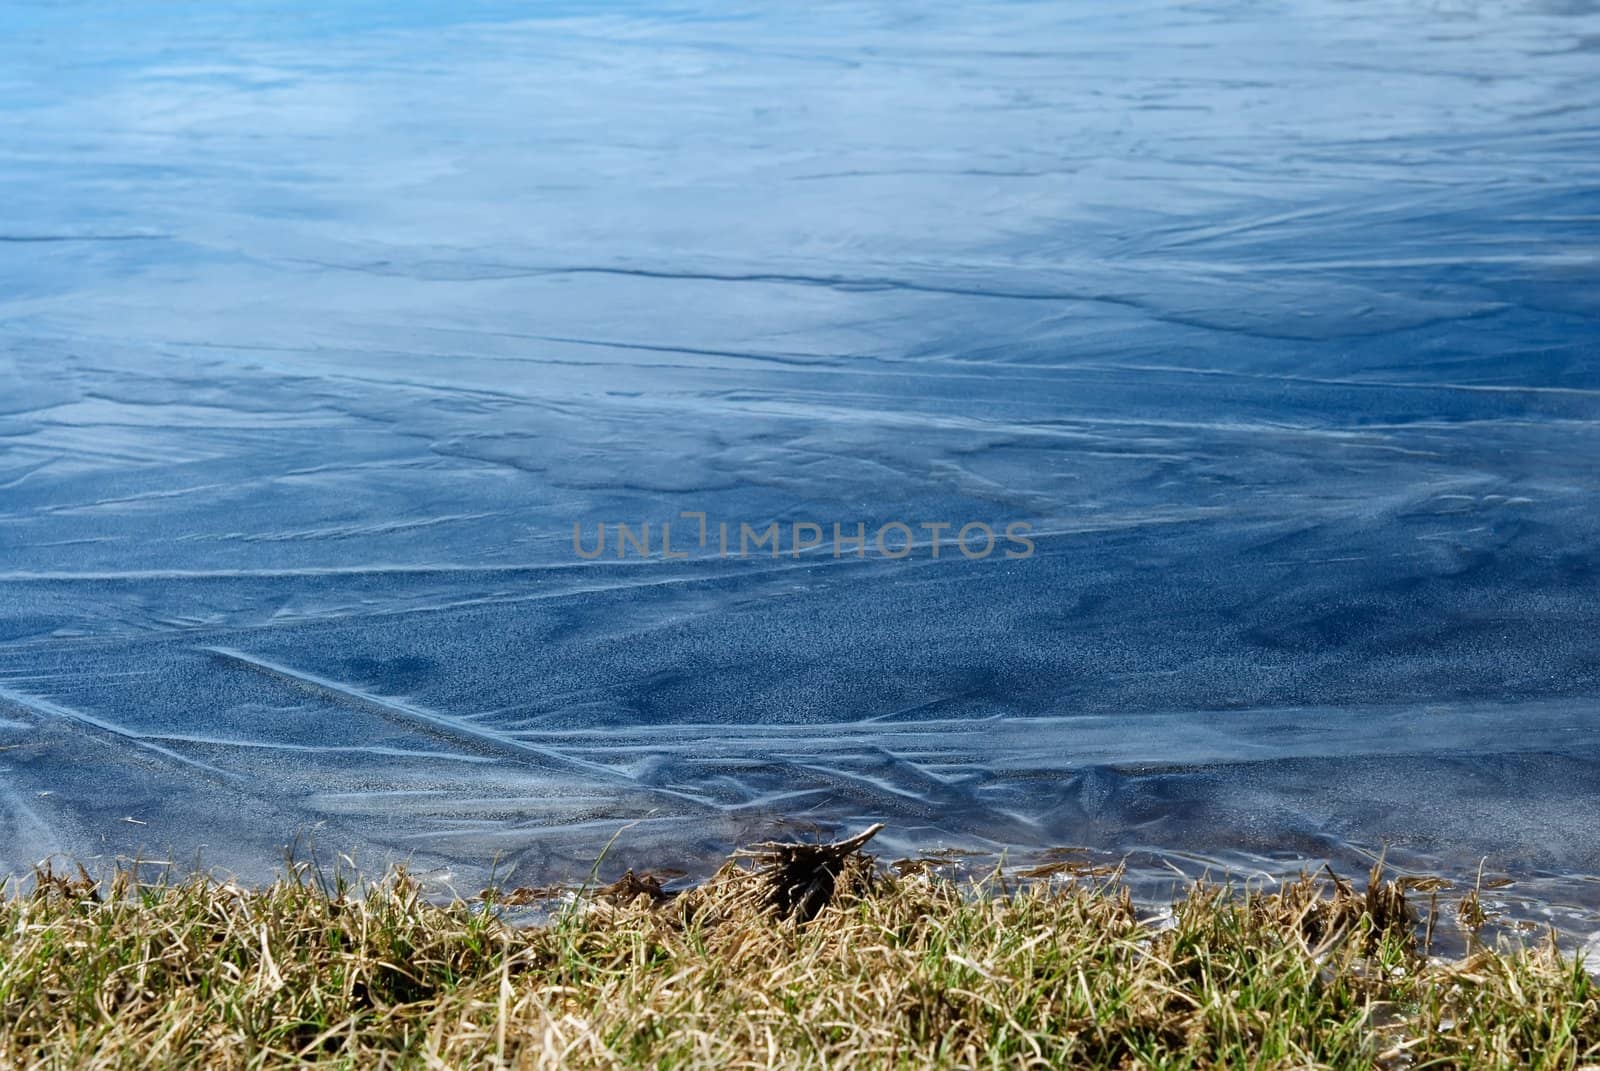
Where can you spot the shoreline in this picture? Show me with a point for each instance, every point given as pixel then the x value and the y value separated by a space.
pixel 791 955
pixel 1517 897
pixel 1243 793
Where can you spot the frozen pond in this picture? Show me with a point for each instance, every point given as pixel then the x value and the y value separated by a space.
pixel 1276 325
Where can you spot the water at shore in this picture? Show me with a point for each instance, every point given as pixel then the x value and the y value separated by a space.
pixel 320 328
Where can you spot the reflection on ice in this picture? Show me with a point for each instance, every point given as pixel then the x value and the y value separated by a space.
pixel 317 337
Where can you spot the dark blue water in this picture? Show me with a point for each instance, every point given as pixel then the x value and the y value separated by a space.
pixel 1275 324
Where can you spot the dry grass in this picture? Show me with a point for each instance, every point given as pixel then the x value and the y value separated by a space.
pixel 890 972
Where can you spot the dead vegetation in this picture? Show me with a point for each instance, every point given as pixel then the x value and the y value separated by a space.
pixel 790 956
pixel 795 880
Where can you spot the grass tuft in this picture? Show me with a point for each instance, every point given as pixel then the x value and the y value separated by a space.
pixel 757 967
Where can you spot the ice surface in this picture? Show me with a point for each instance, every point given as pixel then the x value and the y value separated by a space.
pixel 321 325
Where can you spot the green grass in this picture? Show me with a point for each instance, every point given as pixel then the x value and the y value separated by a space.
pixel 895 972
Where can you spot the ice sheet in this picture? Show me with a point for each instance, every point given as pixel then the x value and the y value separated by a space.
pixel 321 327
